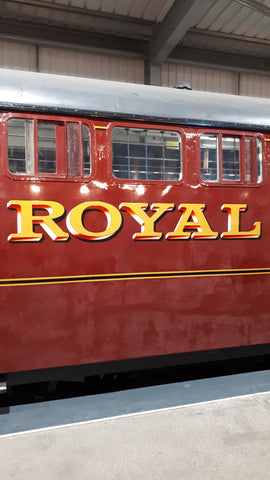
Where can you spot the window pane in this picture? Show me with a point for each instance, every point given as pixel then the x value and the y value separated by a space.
pixel 209 158
pixel 251 175
pixel 120 151
pixel 259 160
pixel 143 154
pixel 231 158
pixel 172 156
pixel 46 148
pixel 20 146
pixel 136 154
pixel 86 151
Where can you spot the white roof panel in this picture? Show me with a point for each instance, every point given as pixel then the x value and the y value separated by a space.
pixel 28 91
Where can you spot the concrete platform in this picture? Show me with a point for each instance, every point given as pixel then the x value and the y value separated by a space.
pixel 217 439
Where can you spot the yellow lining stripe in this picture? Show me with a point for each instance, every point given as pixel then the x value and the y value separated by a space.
pixel 100 128
pixel 6 282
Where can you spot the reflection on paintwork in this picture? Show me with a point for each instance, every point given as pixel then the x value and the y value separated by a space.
pixel 102 185
pixel 166 190
pixel 140 189
pixel 128 187
pixel 84 189
pixel 35 188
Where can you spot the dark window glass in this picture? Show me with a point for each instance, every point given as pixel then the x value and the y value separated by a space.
pixel 86 151
pixel 46 148
pixel 231 158
pixel 228 168
pixel 209 158
pixel 37 147
pixel 20 146
pixel 142 154
pixel 249 160
pixel 259 160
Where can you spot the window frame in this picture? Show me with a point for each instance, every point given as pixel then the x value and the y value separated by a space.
pixel 143 126
pixel 237 134
pixel 61 174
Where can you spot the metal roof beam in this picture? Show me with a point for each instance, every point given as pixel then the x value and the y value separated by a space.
pixel 221 60
pixel 76 18
pixel 227 43
pixel 53 36
pixel 255 6
pixel 181 17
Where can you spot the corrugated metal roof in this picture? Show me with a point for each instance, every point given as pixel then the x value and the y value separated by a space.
pixel 237 19
pixel 152 10
pixel 233 18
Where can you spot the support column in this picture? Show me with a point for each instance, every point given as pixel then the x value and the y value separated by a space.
pixel 37 58
pixel 238 83
pixel 152 74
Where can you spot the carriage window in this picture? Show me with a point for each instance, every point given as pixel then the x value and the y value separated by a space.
pixel 47 148
pixel 209 158
pixel 249 159
pixel 222 156
pixel 20 146
pixel 231 158
pixel 86 151
pixel 259 159
pixel 142 154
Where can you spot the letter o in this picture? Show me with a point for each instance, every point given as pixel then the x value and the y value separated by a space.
pixel 75 223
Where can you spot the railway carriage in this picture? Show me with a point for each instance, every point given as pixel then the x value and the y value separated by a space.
pixel 134 225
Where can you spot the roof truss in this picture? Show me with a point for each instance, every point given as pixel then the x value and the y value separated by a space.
pixel 52 24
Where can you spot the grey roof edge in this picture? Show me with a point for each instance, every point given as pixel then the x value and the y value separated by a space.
pixel 31 91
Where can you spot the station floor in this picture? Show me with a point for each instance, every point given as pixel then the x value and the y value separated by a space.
pixel 192 432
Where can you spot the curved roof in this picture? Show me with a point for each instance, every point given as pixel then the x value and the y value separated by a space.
pixel 30 91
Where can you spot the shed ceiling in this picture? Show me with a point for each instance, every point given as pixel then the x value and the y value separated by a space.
pixel 230 33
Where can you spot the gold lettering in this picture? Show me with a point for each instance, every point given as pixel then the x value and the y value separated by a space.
pixel 234 222
pixel 75 220
pixel 137 211
pixel 198 222
pixel 26 221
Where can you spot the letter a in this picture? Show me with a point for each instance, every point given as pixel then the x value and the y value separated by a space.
pixel 192 211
